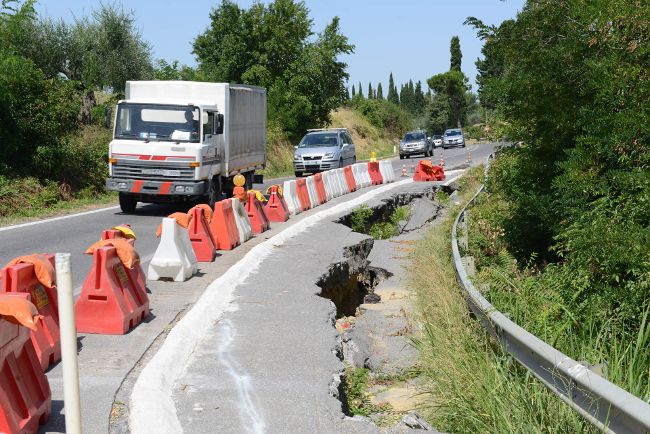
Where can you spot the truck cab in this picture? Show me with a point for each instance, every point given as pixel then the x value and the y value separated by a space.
pixel 170 149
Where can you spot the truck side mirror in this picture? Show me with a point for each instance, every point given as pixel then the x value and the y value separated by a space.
pixel 219 121
pixel 107 117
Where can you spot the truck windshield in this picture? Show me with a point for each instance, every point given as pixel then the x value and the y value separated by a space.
pixel 156 122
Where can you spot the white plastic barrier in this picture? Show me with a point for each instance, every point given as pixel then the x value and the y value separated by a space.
pixel 343 185
pixel 386 170
pixel 311 189
pixel 357 175
pixel 241 219
pixel 174 257
pixel 327 182
pixel 365 176
pixel 291 196
pixel 334 182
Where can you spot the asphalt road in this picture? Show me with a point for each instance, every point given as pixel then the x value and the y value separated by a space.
pixel 76 232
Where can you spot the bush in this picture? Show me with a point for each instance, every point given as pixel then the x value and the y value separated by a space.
pixel 384 115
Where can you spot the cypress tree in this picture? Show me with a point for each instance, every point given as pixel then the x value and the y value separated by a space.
pixel 380 92
pixel 456 54
pixel 360 91
pixel 392 91
pixel 354 93
pixel 370 92
pixel 418 100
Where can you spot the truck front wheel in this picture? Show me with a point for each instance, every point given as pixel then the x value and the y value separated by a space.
pixel 214 191
pixel 128 203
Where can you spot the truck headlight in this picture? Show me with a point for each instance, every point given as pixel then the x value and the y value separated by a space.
pixel 189 189
pixel 179 189
pixel 122 185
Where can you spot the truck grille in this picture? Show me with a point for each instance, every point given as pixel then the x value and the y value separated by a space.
pixel 152 172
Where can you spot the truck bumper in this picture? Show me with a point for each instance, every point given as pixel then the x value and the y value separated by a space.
pixel 158 191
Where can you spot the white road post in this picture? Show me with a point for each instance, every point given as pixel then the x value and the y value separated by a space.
pixel 68 344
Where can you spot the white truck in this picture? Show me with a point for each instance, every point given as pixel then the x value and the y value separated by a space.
pixel 183 141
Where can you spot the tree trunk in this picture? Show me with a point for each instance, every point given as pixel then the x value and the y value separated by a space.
pixel 88 101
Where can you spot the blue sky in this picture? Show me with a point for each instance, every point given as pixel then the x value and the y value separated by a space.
pixel 409 37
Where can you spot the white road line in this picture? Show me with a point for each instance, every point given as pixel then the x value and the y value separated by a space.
pixel 152 407
pixel 63 217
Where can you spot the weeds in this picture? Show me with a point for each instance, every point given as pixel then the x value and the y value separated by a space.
pixel 361 222
pixel 355 383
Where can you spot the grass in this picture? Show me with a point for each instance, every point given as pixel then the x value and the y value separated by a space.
pixel 381 230
pixel 473 386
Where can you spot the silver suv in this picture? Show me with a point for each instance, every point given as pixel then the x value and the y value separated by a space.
pixel 323 150
pixel 453 137
pixel 414 142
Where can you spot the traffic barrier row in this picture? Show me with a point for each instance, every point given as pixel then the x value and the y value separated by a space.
pixel 25 396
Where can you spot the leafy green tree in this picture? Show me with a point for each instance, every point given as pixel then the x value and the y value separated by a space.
pixel 380 92
pixel 392 91
pixel 347 93
pixel 103 51
pixel 174 71
pixel 273 46
pixel 570 79
pixel 439 114
pixel 456 54
pixel 453 85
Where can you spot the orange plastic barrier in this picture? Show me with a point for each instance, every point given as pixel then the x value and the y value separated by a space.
pixel 223 226
pixel 428 172
pixel 349 179
pixel 320 188
pixel 201 236
pixel 110 301
pixel 276 209
pixel 375 174
pixel 22 278
pixel 25 396
pixel 303 194
pixel 256 215
pixel 137 272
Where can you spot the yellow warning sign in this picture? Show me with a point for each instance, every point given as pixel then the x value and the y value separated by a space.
pixel 39 296
pixel 120 272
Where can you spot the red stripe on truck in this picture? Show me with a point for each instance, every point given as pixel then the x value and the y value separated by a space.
pixel 137 186
pixel 165 187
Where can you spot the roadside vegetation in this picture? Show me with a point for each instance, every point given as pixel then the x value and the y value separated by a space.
pixel 471 384
pixel 562 238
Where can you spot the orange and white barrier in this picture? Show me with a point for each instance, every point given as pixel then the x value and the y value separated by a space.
pixel 244 227
pixel 291 196
pixel 386 169
pixel 311 190
pixel 329 188
pixel 174 257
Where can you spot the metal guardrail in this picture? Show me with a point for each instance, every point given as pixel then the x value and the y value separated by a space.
pixel 604 404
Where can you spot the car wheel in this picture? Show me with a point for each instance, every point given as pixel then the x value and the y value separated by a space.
pixel 427 153
pixel 298 174
pixel 128 203
pixel 354 160
pixel 401 157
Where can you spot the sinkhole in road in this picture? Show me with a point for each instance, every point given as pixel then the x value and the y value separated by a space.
pixel 350 282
